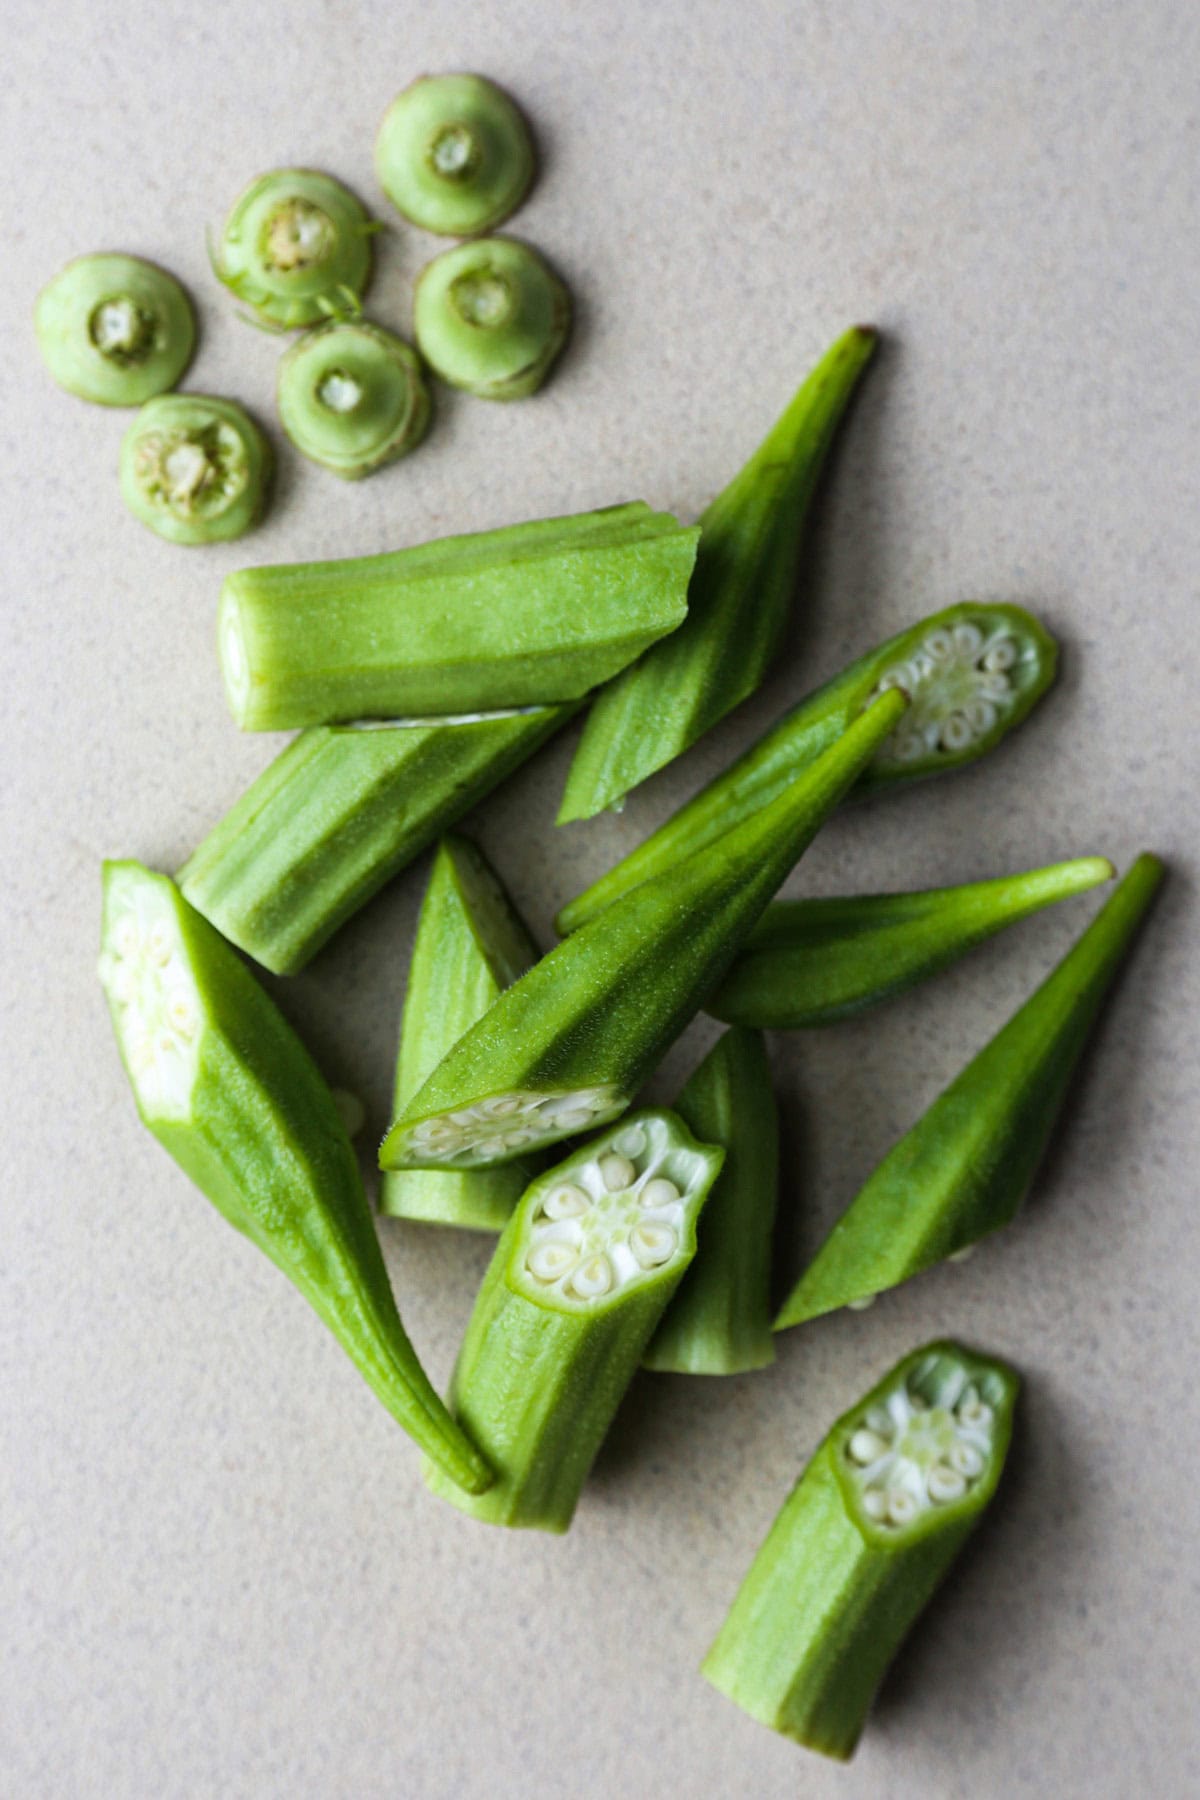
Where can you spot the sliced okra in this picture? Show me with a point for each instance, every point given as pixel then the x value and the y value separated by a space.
pixel 337 814
pixel 515 617
pixel 569 1044
pixel 470 945
pixel 861 1544
pixel 226 1087
pixel 965 1168
pixel 811 962
pixel 738 601
pixel 972 672
pixel 719 1322
pixel 578 1282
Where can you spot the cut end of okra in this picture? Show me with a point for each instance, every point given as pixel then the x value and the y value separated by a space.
pixel 491 317
pixel 114 329
pixel 157 1010
pixel 493 1129
pixel 296 248
pixel 454 155
pixel 926 1445
pixel 352 397
pixel 195 469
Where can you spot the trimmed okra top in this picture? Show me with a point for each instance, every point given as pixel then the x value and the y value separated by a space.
pixel 454 154
pixel 195 469
pixel 114 329
pixel 491 317
pixel 352 397
pixel 296 248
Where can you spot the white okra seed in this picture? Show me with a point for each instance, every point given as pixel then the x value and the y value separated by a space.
pixel 940 645
pixel 576 1119
pixel 968 640
pixel 865 1446
pixel 945 1484
pixel 976 1413
pixel 658 1192
pixel 995 687
pixel 125 937
pixel 653 1243
pixel 874 1503
pixel 501 1106
pixel 616 1172
pixel 549 1262
pixel 981 715
pixel 593 1278
pixel 1000 655
pixel 631 1142
pixel 901 1507
pixel 966 1459
pixel 956 731
pixel 880 1419
pixel 565 1202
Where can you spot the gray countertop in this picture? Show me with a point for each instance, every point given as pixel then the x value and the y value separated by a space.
pixel 221 1573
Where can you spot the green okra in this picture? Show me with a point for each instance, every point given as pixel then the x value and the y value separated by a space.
pixel 738 602
pixel 114 329
pixel 862 1543
pixel 578 1282
pixel 964 1169
pixel 973 673
pixel 470 945
pixel 295 249
pixel 352 397
pixel 515 617
pixel 491 317
pixel 336 815
pixel 719 1322
pixel 227 1088
pixel 572 1041
pixel 454 154
pixel 812 962
pixel 195 468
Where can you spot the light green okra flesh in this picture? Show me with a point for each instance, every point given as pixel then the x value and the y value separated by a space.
pixel 973 673
pixel 115 330
pixel 337 815
pixel 719 1322
pixel 523 616
pixel 470 945
pixel 738 602
pixel 861 1545
pixel 812 962
pixel 224 1084
pixel 352 397
pixel 454 154
pixel 195 468
pixel 296 249
pixel 964 1169
pixel 573 1040
pixel 579 1280
pixel 491 317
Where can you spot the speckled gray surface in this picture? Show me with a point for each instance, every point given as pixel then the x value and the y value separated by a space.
pixel 221 1574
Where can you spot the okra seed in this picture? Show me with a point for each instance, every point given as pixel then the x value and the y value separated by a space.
pixel 617 1173
pixel 963 1255
pixel 879 1419
pixel 631 1142
pixel 658 1192
pixel 940 646
pixel 875 1504
pixel 975 1413
pixel 549 1262
pixel 125 938
pixel 1001 655
pixel 653 1244
pixel 901 1508
pixel 565 1202
pixel 501 1106
pixel 995 687
pixel 956 732
pixel 866 1446
pixel 593 1278
pixel 575 1119
pixel 981 716
pixel 966 1459
pixel 945 1484
pixel 862 1302
pixel 968 641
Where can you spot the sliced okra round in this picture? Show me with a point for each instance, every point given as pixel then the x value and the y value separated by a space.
pixel 296 248
pixel 352 397
pixel 454 154
pixel 114 329
pixel 491 317
pixel 195 469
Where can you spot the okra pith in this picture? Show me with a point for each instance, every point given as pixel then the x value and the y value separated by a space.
pixel 225 1085
pixel 973 673
pixel 859 1547
pixel 578 1282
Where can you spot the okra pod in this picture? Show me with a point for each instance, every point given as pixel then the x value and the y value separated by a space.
pixel 862 1543
pixel 515 617
pixel 964 1169
pixel 973 673
pixel 738 602
pixel 336 815
pixel 568 1045
pixel 227 1088
pixel 811 962
pixel 470 945
pixel 578 1282
pixel 719 1322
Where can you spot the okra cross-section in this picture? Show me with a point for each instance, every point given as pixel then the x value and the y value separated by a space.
pixel 578 1282
pixel 227 1088
pixel 972 673
pixel 570 1043
pixel 862 1543
pixel 516 617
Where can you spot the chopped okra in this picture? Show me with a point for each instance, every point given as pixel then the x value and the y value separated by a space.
pixel 862 1543
pixel 296 248
pixel 491 317
pixel 454 155
pixel 114 329
pixel 578 1282
pixel 195 469
pixel 352 397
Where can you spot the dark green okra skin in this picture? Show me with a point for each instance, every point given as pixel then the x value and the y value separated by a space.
pixel 337 815
pixel 225 1085
pixel 944 691
pixel 523 616
pixel 470 945
pixel 574 1039
pixel 719 1322
pixel 542 1368
pixel 964 1169
pixel 738 601
pixel 813 962
pixel 833 1591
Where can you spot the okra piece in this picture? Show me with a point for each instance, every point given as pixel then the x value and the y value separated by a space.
pixel 454 154
pixel 571 1042
pixel 491 317
pixel 719 1322
pixel 195 469
pixel 812 962
pixel 861 1545
pixel 352 397
pixel 738 602
pixel 296 249
pixel 578 1282
pixel 965 1168
pixel 973 673
pixel 114 329
pixel 516 617
pixel 336 815
pixel 470 945
pixel 227 1088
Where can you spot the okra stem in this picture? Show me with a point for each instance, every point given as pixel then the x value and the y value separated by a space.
pixel 195 469
pixel 352 397
pixel 114 329
pixel 454 154
pixel 491 317
pixel 296 249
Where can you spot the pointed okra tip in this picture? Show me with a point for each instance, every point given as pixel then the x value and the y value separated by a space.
pixel 156 1008
pixel 926 1446
pixel 618 1215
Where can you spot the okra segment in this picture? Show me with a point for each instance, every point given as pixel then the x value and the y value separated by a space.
pixel 579 1279
pixel 296 248
pixel 522 616
pixel 225 1085
pixel 973 672
pixel 964 1169
pixel 861 1544
pixel 812 962
pixel 337 815
pixel 572 1041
